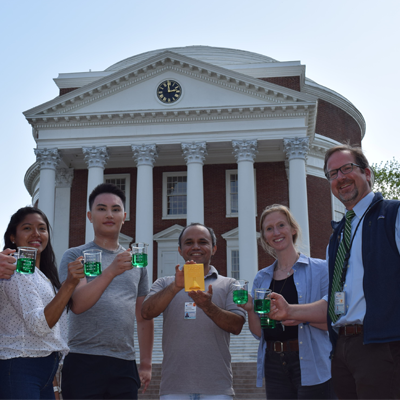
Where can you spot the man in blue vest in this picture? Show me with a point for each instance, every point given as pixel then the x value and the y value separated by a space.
pixel 364 284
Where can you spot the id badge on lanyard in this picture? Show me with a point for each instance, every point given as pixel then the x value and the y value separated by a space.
pixel 340 303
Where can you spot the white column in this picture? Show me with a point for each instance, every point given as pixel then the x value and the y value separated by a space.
pixel 245 153
pixel 296 150
pixel 145 156
pixel 194 154
pixel 48 160
pixel 96 159
pixel 64 178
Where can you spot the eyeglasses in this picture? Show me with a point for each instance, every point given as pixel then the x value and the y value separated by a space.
pixel 344 169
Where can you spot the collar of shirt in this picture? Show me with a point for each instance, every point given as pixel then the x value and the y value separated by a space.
pixel 303 260
pixel 212 271
pixel 363 204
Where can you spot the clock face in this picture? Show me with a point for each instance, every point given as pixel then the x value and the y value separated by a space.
pixel 169 91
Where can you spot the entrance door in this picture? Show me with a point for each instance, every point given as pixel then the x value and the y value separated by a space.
pixel 169 259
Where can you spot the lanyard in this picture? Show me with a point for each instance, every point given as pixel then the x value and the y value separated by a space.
pixel 348 249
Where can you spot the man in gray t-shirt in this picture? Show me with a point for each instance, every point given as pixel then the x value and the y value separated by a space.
pixel 101 362
pixel 196 337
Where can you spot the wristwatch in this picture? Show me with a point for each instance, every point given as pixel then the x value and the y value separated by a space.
pixel 57 389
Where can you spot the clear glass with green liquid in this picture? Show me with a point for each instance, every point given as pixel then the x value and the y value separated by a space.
pixel 262 306
pixel 139 254
pixel 240 296
pixel 92 262
pixel 240 291
pixel 26 260
pixel 139 260
pixel 267 323
pixel 262 302
pixel 26 265
pixel 92 268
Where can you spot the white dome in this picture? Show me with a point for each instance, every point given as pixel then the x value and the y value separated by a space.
pixel 214 55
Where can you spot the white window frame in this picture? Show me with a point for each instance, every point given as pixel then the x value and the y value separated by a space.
pixel 127 178
pixel 338 209
pixel 231 250
pixel 228 173
pixel 165 215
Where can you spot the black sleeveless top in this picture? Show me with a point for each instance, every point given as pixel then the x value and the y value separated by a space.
pixel 289 292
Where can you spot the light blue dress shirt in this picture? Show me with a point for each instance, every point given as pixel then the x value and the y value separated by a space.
pixel 311 280
pixel 353 287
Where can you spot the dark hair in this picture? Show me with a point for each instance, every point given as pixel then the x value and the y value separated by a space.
pixel 212 234
pixel 47 258
pixel 355 151
pixel 106 188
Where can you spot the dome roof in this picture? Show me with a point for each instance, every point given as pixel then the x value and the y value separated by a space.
pixel 214 55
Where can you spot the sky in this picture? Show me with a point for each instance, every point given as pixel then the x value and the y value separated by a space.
pixel 350 46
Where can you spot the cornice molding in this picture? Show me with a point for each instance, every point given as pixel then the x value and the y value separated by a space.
pixel 30 175
pixel 174 116
pixel 161 63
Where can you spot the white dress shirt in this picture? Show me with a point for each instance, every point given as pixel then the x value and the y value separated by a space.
pixel 355 300
pixel 24 331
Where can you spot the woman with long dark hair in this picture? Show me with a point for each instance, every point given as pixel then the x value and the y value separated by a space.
pixel 33 331
pixel 293 356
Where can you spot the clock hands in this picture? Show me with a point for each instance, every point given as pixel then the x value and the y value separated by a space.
pixel 171 90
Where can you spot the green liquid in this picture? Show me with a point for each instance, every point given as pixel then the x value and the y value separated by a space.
pixel 26 265
pixel 262 306
pixel 267 323
pixel 240 296
pixel 139 260
pixel 92 268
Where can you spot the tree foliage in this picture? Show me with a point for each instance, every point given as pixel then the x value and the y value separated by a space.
pixel 387 179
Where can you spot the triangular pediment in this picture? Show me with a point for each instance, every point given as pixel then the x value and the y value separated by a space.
pixel 132 93
pixel 169 234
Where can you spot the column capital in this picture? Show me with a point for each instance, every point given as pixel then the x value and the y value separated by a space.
pixel 96 156
pixel 194 152
pixel 47 158
pixel 296 148
pixel 145 154
pixel 244 150
pixel 64 177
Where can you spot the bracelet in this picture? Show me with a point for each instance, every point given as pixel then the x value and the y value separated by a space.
pixel 57 389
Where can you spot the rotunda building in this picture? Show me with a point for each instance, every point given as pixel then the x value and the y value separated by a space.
pixel 191 134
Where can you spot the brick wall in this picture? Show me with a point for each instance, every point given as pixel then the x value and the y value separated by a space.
pixel 319 214
pixel 290 82
pixel 66 90
pixel 336 124
pixel 77 218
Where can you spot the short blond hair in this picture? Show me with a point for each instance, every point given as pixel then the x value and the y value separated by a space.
pixel 289 216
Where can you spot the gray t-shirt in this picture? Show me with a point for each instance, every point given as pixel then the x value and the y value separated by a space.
pixel 196 351
pixel 107 328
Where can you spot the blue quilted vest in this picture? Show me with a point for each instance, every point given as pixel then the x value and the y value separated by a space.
pixel 381 261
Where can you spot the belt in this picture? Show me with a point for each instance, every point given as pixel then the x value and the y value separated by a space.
pixel 280 347
pixel 350 330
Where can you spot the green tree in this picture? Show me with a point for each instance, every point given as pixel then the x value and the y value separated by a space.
pixel 387 179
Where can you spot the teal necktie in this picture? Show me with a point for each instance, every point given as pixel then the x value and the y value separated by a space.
pixel 340 256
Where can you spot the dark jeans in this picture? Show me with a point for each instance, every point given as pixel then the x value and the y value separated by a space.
pixel 86 376
pixel 28 378
pixel 283 378
pixel 370 371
